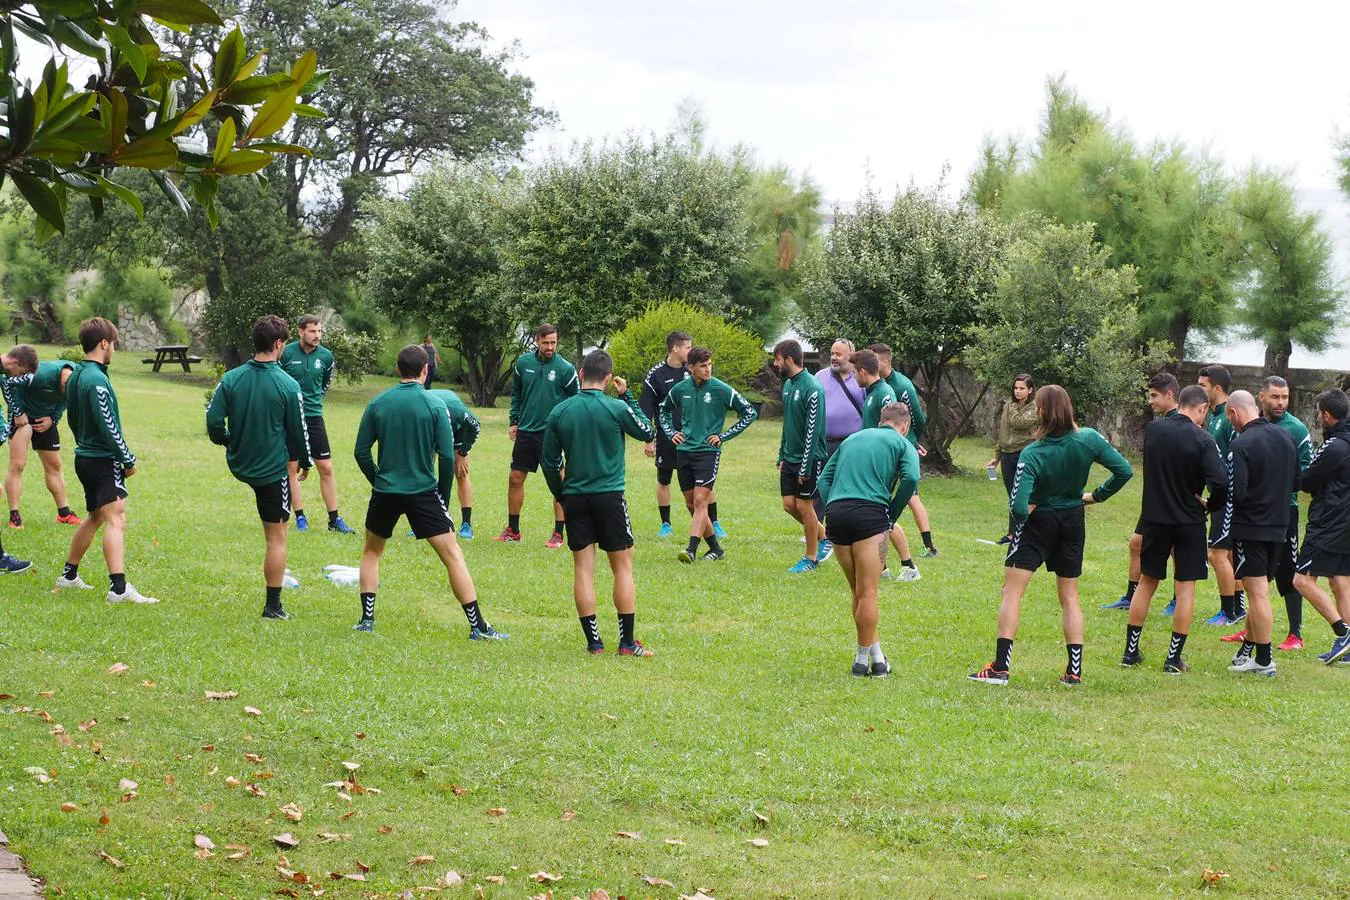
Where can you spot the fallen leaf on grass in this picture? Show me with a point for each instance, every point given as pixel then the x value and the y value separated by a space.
pixel 329 837
pixel 221 695
pixel 104 819
pixel 209 748
pixel 360 735
pixel 343 795
pixel 127 797
pixel 697 895
pixel 289 892
pixel 761 818
pixel 458 791
pixel 203 842
pixel 240 854
pixel 981 877
pixel 11 696
pixel 569 814
pixel 96 747
pixel 546 895
pixel 362 866
pixel 41 774
pixel 168 780
pixel 495 879
pixel 202 854
pixel 629 835
pixel 252 711
pixel 111 860
pixel 347 815
pixel 85 726
pixel 43 715
pixel 385 829
pixel 598 894
pixel 264 776
pixel 231 781
pixel 293 812
pixel 147 683
pixel 422 860
pixel 351 876
pixel 545 877
pixel 497 811
pixel 285 840
pixel 1211 877
pixel 350 766
pixel 58 729
pixel 255 790
pixel 118 668
pixel 609 717
pixel 450 879
pixel 254 758
pixel 657 882
pixel 69 807
pixel 675 842
pixel 758 842
pixel 126 784
pixel 299 878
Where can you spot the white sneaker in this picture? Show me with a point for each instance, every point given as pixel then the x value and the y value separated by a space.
pixel 130 595
pixel 886 573
pixel 1249 665
pixel 908 574
pixel 71 584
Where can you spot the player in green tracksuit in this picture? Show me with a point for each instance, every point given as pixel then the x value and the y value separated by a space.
pixel 877 396
pixel 540 380
pixel 1048 524
pixel 9 565
pixel 311 364
pixel 257 414
pixel 415 437
pixel 1217 383
pixel 1274 401
pixel 584 438
pixel 801 450
pixel 466 427
pixel 908 394
pixel 702 401
pixel 103 462
pixel 865 485
pixel 36 401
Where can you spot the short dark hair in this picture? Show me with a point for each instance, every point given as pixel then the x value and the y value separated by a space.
pixel 1334 403
pixel 867 361
pixel 1217 374
pixel 1193 395
pixel 675 338
pixel 412 359
pixel 1055 410
pixel 95 331
pixel 895 412
pixel 789 349
pixel 267 331
pixel 1165 383
pixel 26 356
pixel 307 320
pixel 1274 381
pixel 596 366
pixel 880 349
pixel 544 330
pixel 699 355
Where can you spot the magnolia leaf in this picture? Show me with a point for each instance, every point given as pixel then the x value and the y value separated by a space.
pixel 195 113
pixel 242 162
pixel 47 205
pixel 275 113
pixel 179 12
pixel 148 153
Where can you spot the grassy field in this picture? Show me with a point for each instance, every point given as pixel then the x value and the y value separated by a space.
pixel 746 726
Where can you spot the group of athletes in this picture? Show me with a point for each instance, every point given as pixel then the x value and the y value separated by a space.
pixel 1236 459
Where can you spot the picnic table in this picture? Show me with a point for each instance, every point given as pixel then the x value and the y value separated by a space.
pixel 172 353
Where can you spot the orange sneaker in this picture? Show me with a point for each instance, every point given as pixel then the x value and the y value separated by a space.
pixel 71 519
pixel 1293 642
pixel 1236 637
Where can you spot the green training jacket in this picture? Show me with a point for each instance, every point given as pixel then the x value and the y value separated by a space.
pixel 1219 428
pixel 874 401
pixel 312 371
pixel 257 414
pixel 875 464
pixel 1302 440
pixel 38 394
pixel 584 434
pixel 94 418
pixel 465 423
pixel 537 387
pixel 803 440
pixel 703 412
pixel 413 430
pixel 908 394
pixel 1052 473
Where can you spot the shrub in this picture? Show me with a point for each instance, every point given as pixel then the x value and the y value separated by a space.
pixel 737 354
pixel 355 353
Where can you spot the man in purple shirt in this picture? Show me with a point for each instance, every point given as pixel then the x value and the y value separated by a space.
pixel 843 397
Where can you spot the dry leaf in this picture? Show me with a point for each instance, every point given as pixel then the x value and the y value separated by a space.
pixel 11 696
pixel 598 894
pixel 203 842
pixel 285 840
pixel 221 695
pixel 299 878
pixel 111 860
pixel 232 781
pixel 421 860
pixel 350 766
pixel 569 814
pixel 328 837
pixel 168 780
pixel 495 879
pixel 343 795
pixel 362 866
pixel 450 879
pixel 609 717
pixel 697 895
pixel 240 854
pixel 545 877
pixel 360 735
pixel 385 829
pixel 497 811
pixel 128 797
pixel 761 818
pixel 118 668
pixel 254 758
pixel 981 877
pixel 43 715
pixel 104 819
pixel 264 776
pixel 758 842
pixel 126 784
pixel 353 876
pixel 657 882
pixel 69 807
pixel 202 854
pixel 629 835
pixel 58 729
pixel 1211 877
pixel 458 791
pixel 255 790
pixel 209 748
pixel 252 711
pixel 675 842
pixel 293 812
pixel 96 747
pixel 147 683
pixel 289 892
pixel 85 726
pixel 347 815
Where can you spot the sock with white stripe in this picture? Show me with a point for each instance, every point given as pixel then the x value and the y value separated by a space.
pixel 1075 659
pixel 368 605
pixel 475 618
pixel 1175 647
pixel 1003 654
pixel 627 628
pixel 1132 633
pixel 591 629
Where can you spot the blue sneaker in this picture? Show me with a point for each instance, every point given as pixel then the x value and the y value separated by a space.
pixel 1241 614
pixel 1122 603
pixel 1170 608
pixel 301 522
pixel 1339 649
pixel 666 531
pixel 803 565
pixel 488 634
pixel 718 531
pixel 824 552
pixel 340 526
pixel 1220 619
pixel 366 625
pixel 12 565
pixel 465 532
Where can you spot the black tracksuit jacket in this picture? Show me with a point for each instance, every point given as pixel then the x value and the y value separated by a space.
pixel 1265 471
pixel 1181 460
pixel 1328 481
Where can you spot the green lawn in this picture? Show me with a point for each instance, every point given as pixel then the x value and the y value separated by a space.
pixel 920 784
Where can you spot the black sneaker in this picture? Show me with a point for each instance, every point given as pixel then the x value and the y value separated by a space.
pixel 861 669
pixel 1176 667
pixel 715 555
pixel 928 553
pixel 1132 659
pixel 595 647
pixel 274 612
pixel 1006 539
pixel 880 669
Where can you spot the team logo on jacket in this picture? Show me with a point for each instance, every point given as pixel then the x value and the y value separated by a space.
pixel 552 376
pixel 796 395
pixel 318 364
pixel 707 398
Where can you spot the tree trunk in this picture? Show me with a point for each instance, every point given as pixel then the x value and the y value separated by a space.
pixel 937 438
pixel 42 313
pixel 1176 337
pixel 1277 357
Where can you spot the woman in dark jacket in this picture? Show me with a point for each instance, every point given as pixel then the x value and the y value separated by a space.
pixel 1016 428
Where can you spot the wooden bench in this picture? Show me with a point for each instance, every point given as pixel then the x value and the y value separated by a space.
pixel 172 353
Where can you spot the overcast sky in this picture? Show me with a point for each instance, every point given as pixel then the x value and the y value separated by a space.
pixel 849 90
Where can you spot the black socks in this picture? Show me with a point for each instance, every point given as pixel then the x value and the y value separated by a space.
pixel 474 616
pixel 63 511
pixel 1293 606
pixel 712 511
pixel 513 522
pixel 927 539
pixel 558 525
pixel 1175 647
pixel 1129 591
pixel 332 517
pixel 626 629
pixel 1338 628
pixel 693 546
pixel 712 543
pixel 273 598
pixel 368 606
pixel 1003 654
pixel 466 514
pixel 1075 659
pixel 1132 633
pixel 299 512
pixel 1263 654
pixel 907 563
pixel 118 583
pixel 665 514
pixel 70 572
pixel 591 629
pixel 1229 604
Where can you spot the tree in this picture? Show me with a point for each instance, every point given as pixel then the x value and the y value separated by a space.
pixel 914 274
pixel 31 281
pixel 1293 297
pixel 436 259
pixel 605 232
pixel 1062 313
pixel 738 355
pixel 60 140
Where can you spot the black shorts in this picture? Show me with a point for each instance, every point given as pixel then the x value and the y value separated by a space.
pixel 527 451
pixel 850 521
pixel 318 438
pixel 1321 563
pixel 698 469
pixel 1050 537
pixel 665 458
pixel 597 519
pixel 46 440
pixel 274 501
pixel 1220 529
pixel 788 486
pixel 101 479
pixel 428 516
pixel 1256 559
pixel 1189 544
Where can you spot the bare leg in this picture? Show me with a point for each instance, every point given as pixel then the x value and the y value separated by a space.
pixel 461 582
pixel 84 536
pixel 699 524
pixel 370 562
pixel 625 590
pixel 1073 613
pixel 806 514
pixel 327 484
pixel 1340 586
pixel 464 487
pixel 51 470
pixel 866 577
pixel 558 512
pixel 1260 618
pixel 274 557
pixel 1136 545
pixel 1015 583
pixel 1221 561
pixel 920 513
pixel 583 580
pixel 114 516
pixel 1185 611
pixel 515 492
pixel 848 563
pixel 293 476
pixel 18 459
pixel 1321 601
pixel 1143 596
pixel 662 494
